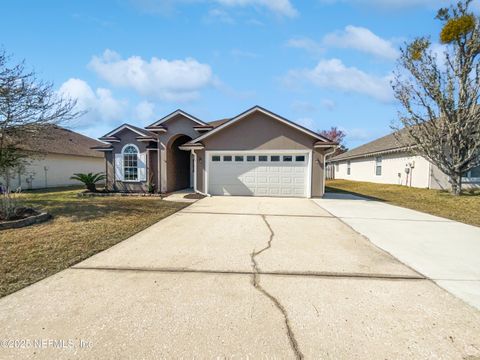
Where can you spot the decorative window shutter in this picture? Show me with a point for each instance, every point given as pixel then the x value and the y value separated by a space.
pixel 119 167
pixel 142 167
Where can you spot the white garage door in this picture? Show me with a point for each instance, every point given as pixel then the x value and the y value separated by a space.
pixel 258 174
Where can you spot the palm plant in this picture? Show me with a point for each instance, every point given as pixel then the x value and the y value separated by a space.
pixel 89 180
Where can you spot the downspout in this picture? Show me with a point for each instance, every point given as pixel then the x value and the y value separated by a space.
pixel 159 175
pixel 106 170
pixel 324 167
pixel 194 170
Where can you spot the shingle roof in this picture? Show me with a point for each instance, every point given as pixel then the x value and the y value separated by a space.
pixel 58 140
pixel 218 122
pixel 139 130
pixel 383 144
pixel 143 131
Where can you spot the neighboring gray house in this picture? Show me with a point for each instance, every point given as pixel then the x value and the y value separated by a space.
pixel 256 153
pixel 387 161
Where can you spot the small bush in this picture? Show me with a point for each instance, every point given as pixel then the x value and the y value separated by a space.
pixel 89 180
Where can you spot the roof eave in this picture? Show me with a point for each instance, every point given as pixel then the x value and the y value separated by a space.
pixel 109 139
pixel 175 113
pixel 146 139
pixel 374 153
pixel 100 148
pixel 157 129
pixel 268 113
pixel 196 146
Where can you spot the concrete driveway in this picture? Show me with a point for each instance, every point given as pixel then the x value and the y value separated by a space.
pixel 446 251
pixel 240 278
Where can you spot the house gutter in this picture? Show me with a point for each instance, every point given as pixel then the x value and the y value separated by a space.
pixel 324 165
pixel 381 152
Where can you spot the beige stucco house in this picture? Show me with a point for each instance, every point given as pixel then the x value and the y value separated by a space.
pixel 55 158
pixel 387 161
pixel 256 153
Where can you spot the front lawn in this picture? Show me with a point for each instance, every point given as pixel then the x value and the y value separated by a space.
pixel 464 208
pixel 81 228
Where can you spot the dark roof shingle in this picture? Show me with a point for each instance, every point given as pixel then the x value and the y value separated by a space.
pixel 58 140
pixel 385 143
pixel 217 123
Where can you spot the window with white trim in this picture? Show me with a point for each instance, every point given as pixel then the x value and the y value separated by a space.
pixel 130 163
pixel 215 158
pixel 300 158
pixel 378 166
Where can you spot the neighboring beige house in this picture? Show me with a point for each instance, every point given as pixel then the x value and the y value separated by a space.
pixel 256 153
pixel 387 161
pixel 56 158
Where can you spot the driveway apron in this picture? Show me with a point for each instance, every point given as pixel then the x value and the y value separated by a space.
pixel 242 277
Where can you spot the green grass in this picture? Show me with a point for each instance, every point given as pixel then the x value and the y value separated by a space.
pixel 464 208
pixel 81 227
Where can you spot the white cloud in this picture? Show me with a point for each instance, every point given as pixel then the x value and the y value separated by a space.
pixel 357 134
pixel 303 107
pixel 362 39
pixel 306 44
pixel 439 50
pixel 220 15
pixel 328 104
pixel 279 7
pixel 333 74
pixel 144 111
pixel 393 4
pixel 306 122
pixel 100 105
pixel 175 80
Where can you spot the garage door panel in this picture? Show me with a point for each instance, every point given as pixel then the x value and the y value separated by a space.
pixel 266 178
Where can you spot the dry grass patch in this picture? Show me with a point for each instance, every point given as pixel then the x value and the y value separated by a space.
pixel 81 228
pixel 464 208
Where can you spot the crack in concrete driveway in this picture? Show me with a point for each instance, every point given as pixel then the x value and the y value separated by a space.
pixel 276 302
pixel 191 286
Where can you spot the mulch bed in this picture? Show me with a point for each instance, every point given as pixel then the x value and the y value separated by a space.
pixel 104 194
pixel 25 217
pixel 194 196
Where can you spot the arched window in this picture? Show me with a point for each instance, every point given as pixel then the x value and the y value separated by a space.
pixel 130 163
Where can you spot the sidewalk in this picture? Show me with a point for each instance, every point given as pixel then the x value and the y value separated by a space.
pixel 446 251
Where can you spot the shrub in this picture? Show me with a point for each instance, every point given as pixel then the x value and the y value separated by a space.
pixel 89 180
pixel 8 204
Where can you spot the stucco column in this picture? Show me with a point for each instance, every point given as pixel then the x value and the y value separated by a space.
pixel 163 167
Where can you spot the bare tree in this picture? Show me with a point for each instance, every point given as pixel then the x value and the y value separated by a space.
pixel 439 93
pixel 27 105
pixel 338 136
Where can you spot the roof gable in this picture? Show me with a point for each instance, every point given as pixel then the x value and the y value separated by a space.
pixel 176 113
pixel 135 129
pixel 266 112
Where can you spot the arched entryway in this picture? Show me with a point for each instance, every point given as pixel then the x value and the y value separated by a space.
pixel 178 164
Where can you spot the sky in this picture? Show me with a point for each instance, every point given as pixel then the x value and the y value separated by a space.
pixel 320 63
